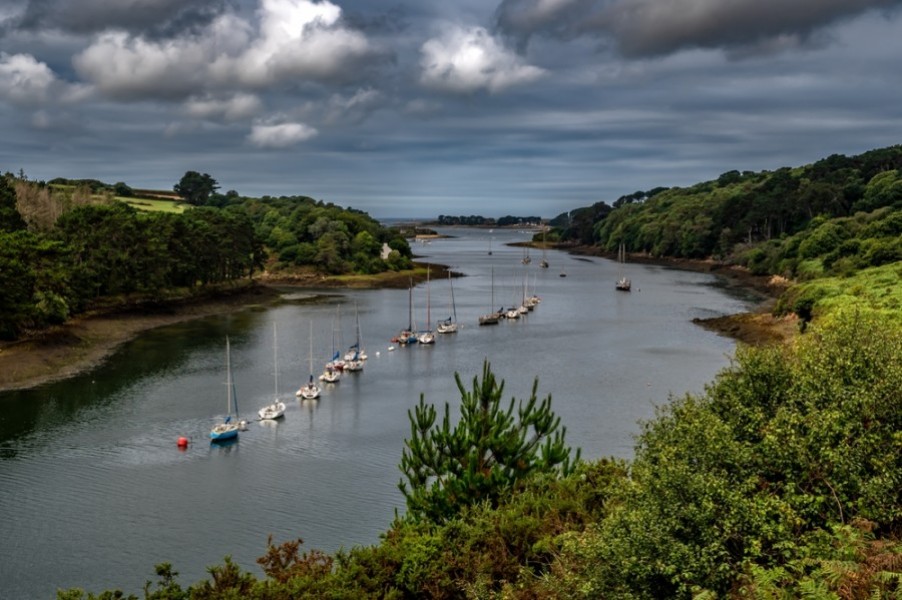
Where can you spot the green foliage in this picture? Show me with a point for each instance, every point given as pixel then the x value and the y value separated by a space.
pixel 482 456
pixel 300 231
pixel 847 562
pixel 195 188
pixel 788 442
pixel 878 288
pixel 10 219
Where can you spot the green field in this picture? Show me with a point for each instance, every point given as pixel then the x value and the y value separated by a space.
pixel 154 204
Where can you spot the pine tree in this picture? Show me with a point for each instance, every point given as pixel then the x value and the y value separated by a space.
pixel 484 454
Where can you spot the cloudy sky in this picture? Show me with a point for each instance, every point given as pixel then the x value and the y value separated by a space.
pixel 427 107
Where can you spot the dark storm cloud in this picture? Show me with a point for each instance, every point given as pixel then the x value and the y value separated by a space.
pixel 653 27
pixel 152 19
pixel 392 21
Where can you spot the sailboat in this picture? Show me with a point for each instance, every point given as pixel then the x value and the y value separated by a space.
pixel 533 300
pixel 427 336
pixel 623 284
pixel 228 429
pixel 492 317
pixel 276 410
pixel 449 325
pixel 309 391
pixel 408 336
pixel 490 244
pixel 331 372
pixel 355 362
pixel 544 262
pixel 526 260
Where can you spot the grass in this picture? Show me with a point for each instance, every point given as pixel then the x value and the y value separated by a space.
pixel 154 204
pixel 877 288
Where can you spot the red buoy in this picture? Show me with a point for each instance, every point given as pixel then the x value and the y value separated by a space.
pixel 182 442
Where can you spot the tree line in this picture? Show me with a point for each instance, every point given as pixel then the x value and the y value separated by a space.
pixel 480 221
pixel 837 214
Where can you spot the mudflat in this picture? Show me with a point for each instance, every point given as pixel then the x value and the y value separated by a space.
pixel 86 341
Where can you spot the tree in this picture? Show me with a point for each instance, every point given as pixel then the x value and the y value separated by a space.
pixel 195 188
pixel 10 219
pixel 484 455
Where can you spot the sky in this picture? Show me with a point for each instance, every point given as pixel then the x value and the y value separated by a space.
pixel 455 107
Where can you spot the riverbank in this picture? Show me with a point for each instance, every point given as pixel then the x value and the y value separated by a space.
pixel 85 342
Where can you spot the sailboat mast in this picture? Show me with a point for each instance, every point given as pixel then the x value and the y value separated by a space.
pixel 228 377
pixel 492 307
pixel 453 305
pixel 410 306
pixel 275 360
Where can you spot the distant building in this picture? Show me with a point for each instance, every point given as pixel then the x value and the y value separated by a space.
pixel 386 250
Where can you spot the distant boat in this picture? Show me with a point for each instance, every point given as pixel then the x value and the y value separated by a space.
pixel 228 429
pixel 449 325
pixel 544 262
pixel 276 410
pixel 427 336
pixel 355 362
pixel 526 260
pixel 491 318
pixel 332 370
pixel 623 284
pixel 490 243
pixel 408 336
pixel 309 391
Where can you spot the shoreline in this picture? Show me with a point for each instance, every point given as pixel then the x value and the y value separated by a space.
pixel 85 342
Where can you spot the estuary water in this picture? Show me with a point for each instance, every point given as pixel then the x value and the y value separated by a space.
pixel 94 490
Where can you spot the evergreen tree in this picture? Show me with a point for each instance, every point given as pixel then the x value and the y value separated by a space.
pixel 10 219
pixel 484 454
pixel 195 188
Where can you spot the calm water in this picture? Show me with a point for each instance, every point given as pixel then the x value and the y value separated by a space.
pixel 94 491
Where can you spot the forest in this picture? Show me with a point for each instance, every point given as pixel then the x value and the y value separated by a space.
pixel 74 245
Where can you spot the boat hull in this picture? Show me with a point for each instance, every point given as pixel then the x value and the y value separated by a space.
pixel 222 433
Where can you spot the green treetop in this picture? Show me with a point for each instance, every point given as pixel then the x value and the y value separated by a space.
pixel 484 454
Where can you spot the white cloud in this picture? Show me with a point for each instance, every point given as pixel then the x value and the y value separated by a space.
pixel 24 81
pixel 296 41
pixel 466 60
pixel 237 107
pixel 124 67
pixel 280 136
